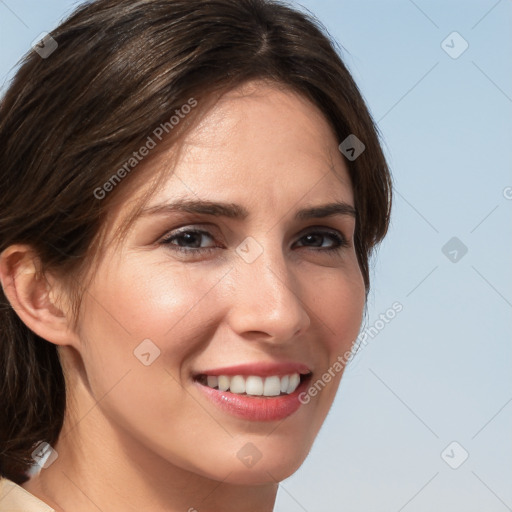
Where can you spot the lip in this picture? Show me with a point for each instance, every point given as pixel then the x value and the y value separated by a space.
pixel 260 369
pixel 255 408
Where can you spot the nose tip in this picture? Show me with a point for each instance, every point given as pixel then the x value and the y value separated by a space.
pixel 268 304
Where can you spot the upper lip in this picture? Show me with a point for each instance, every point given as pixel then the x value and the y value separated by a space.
pixel 259 369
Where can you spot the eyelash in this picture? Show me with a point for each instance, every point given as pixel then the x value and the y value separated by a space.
pixel 340 241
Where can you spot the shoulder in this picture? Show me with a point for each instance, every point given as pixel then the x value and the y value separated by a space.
pixel 13 498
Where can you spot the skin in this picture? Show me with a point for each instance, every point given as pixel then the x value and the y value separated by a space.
pixel 141 437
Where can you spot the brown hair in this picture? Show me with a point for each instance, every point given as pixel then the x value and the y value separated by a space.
pixel 69 121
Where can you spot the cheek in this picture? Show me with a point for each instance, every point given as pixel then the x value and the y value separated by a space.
pixel 162 302
pixel 337 304
pixel 177 310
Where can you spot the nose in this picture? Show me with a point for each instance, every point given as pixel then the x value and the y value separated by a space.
pixel 267 304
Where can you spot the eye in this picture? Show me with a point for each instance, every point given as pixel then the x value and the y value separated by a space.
pixel 191 241
pixel 316 238
pixel 188 240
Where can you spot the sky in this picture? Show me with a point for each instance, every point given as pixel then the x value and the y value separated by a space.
pixel 423 417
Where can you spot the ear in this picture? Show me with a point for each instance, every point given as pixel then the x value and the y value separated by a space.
pixel 33 295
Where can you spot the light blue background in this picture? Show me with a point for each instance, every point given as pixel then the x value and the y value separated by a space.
pixel 440 371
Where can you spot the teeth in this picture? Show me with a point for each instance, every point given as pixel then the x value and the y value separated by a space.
pixel 293 383
pixel 213 381
pixel 254 385
pixel 284 383
pixel 237 384
pixel 224 382
pixel 272 386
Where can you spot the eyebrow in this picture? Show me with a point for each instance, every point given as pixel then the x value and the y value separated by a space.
pixel 238 212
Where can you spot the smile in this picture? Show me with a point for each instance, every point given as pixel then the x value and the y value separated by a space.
pixel 253 385
pixel 255 392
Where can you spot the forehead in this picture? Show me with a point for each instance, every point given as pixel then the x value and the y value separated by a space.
pixel 265 136
pixel 261 145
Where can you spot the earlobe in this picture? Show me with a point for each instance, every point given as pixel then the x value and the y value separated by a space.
pixel 33 296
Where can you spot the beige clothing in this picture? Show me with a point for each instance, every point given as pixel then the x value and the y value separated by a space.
pixel 13 498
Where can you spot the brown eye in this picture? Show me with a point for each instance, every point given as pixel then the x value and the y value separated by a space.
pixel 188 240
pixel 316 239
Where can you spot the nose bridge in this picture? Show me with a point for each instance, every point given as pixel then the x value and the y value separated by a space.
pixel 267 297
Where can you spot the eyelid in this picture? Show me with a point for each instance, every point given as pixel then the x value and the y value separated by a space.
pixel 196 228
pixel 341 240
pixel 186 229
pixel 346 234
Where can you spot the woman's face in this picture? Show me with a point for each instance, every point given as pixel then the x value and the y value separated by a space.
pixel 253 294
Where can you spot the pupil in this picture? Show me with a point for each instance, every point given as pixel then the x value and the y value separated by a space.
pixel 312 237
pixel 188 238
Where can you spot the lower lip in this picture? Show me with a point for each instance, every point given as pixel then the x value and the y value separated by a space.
pixel 256 408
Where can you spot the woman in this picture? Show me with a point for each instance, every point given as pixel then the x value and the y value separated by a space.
pixel 191 194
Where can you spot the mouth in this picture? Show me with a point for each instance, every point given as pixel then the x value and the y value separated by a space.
pixel 258 392
pixel 254 385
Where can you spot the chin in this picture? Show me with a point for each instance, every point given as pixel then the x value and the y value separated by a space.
pixel 254 460
pixel 269 471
